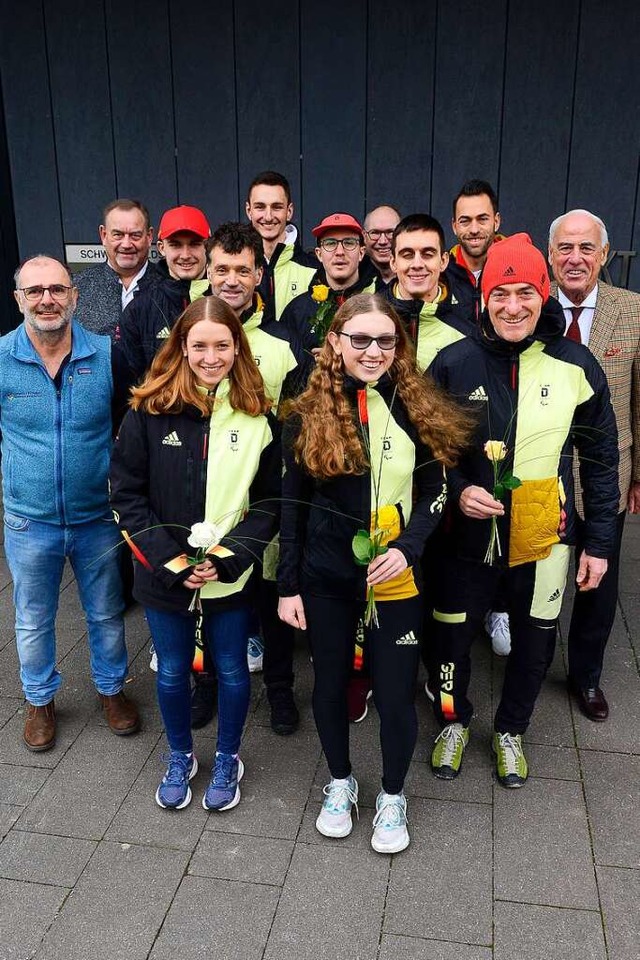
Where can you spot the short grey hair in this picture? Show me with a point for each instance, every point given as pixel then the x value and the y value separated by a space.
pixel 604 237
pixel 40 256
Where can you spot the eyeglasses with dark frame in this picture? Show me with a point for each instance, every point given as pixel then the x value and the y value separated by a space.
pixel 361 341
pixel 331 243
pixel 57 291
pixel 374 235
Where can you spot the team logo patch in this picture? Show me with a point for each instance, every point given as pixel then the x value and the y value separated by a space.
pixel 407 639
pixel 554 596
pixel 544 394
pixel 84 370
pixel 163 334
pixel 172 440
pixel 233 440
pixel 509 272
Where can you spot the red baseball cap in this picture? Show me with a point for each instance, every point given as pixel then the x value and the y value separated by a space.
pixel 187 219
pixel 337 221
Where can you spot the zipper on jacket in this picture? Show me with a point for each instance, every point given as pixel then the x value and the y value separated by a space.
pixel 58 436
pixel 203 464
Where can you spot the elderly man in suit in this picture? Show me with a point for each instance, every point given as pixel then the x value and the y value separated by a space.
pixel 607 320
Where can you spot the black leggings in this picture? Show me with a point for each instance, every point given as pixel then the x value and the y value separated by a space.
pixel 393 659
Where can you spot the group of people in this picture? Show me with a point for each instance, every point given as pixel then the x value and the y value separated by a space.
pixel 384 443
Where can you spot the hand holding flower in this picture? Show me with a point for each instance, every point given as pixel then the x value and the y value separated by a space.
pixel 478 503
pixel 386 566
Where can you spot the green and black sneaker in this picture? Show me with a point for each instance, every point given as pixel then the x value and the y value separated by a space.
pixel 511 763
pixel 448 750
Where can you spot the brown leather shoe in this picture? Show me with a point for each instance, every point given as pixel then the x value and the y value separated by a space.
pixel 122 715
pixel 592 702
pixel 40 727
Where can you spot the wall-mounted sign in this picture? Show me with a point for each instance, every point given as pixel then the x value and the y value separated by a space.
pixel 82 255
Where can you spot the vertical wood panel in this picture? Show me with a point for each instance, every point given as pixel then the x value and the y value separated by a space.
pixel 205 107
pixel 80 89
pixel 468 113
pixel 604 149
pixel 400 72
pixel 25 85
pixel 142 102
pixel 333 109
pixel 634 273
pixel 268 84
pixel 541 52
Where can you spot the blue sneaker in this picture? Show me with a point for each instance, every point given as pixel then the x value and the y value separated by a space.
pixel 174 792
pixel 223 791
pixel 255 651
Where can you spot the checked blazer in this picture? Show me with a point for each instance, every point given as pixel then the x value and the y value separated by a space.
pixel 615 343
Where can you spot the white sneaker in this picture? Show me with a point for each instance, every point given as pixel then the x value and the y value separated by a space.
pixel 429 693
pixel 153 663
pixel 334 820
pixel 497 626
pixel 390 834
pixel 255 652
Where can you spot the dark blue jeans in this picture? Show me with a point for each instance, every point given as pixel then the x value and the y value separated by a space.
pixel 173 639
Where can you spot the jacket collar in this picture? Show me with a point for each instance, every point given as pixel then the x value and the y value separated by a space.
pixel 24 350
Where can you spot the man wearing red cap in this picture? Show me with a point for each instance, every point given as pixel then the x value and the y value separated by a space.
pixel 340 250
pixel 536 395
pixel 147 321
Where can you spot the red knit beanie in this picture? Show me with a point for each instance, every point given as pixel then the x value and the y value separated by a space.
pixel 515 260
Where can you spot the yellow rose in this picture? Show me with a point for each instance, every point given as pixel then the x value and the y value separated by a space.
pixel 495 450
pixel 320 293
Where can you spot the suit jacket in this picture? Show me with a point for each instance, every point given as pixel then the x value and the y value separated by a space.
pixel 615 343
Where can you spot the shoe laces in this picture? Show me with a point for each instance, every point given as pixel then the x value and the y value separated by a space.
pixel 392 812
pixel 341 796
pixel 223 770
pixel 511 747
pixel 451 738
pixel 178 767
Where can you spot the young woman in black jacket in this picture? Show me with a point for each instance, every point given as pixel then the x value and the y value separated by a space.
pixel 199 447
pixel 364 449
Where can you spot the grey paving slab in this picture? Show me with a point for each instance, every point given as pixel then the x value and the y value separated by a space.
pixel 612 788
pixel 225 856
pixel 411 948
pixel 9 813
pixel 74 805
pixel 450 847
pixel 542 852
pixel 28 909
pixel 620 896
pixel 553 763
pixel 217 918
pixel 117 906
pixel 278 771
pixel 39 858
pixel 9 678
pixel 630 617
pixel 547 932
pixel 621 683
pixel 343 893
pixel 9 707
pixel 19 784
pixel 141 820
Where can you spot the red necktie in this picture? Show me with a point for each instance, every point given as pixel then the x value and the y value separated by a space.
pixel 573 330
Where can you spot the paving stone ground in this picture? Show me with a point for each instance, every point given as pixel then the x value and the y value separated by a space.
pixel 90 867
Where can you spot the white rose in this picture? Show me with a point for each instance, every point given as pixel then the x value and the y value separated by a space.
pixel 204 535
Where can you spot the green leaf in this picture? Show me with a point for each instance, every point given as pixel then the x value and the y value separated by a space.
pixel 498 491
pixel 362 548
pixel 511 482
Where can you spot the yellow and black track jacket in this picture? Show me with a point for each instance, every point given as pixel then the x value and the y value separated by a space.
pixel 540 398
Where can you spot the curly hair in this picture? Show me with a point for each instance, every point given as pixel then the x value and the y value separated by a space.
pixel 171 384
pixel 329 442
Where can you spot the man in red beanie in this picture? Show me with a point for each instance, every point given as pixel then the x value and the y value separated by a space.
pixel 535 395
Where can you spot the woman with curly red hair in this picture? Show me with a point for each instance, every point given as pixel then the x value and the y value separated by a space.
pixel 364 447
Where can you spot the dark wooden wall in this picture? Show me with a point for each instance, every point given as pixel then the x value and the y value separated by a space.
pixel 356 101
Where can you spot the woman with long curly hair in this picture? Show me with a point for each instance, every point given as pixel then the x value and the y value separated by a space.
pixel 364 447
pixel 199 446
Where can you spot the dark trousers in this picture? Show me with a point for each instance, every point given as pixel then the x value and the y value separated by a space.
pixel 468 589
pixel 393 658
pixel 279 637
pixel 592 617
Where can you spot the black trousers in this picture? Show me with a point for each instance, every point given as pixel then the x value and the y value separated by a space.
pixel 592 617
pixel 393 660
pixel 279 637
pixel 533 595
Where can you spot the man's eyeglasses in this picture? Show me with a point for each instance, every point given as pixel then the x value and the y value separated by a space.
pixel 57 291
pixel 360 341
pixel 375 235
pixel 331 243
